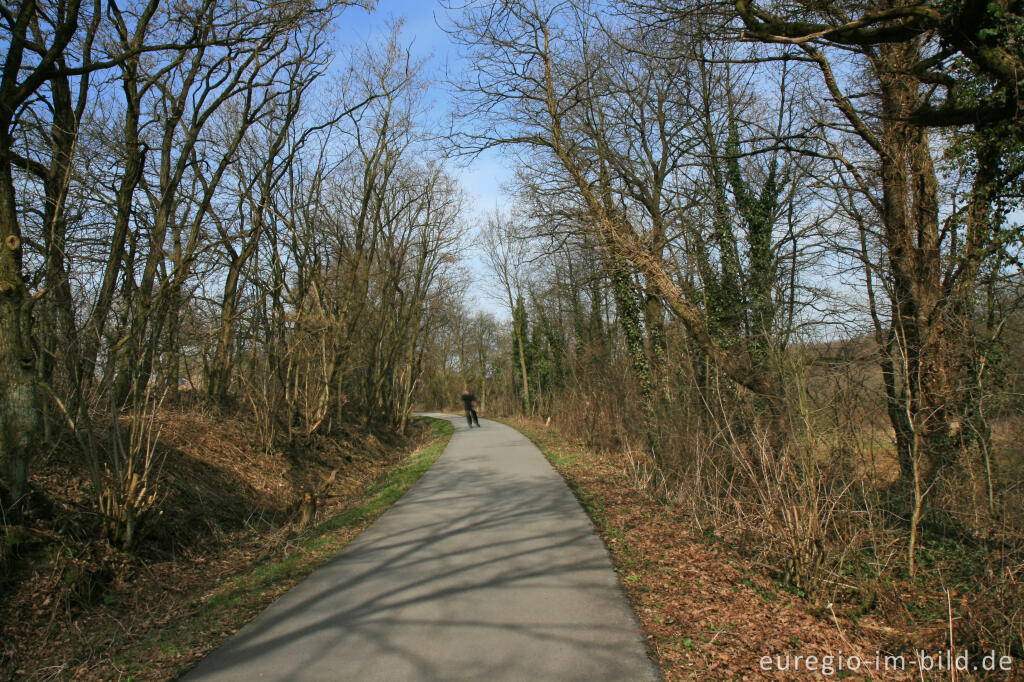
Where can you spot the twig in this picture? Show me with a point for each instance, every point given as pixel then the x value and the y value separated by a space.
pixel 842 636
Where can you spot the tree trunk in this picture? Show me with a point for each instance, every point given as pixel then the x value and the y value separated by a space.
pixel 628 304
pixel 921 348
pixel 19 406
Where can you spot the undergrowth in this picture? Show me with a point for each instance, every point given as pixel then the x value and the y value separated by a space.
pixel 84 609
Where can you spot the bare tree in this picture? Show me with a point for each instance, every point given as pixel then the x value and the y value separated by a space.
pixel 507 257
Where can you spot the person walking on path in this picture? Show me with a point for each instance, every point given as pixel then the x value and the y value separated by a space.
pixel 469 400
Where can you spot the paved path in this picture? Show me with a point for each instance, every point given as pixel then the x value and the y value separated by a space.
pixel 488 569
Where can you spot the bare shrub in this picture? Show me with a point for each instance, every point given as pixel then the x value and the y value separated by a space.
pixel 130 488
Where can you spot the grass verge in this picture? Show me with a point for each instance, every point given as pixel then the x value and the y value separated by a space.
pixel 204 624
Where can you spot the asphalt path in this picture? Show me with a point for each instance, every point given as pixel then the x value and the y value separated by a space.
pixel 488 569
